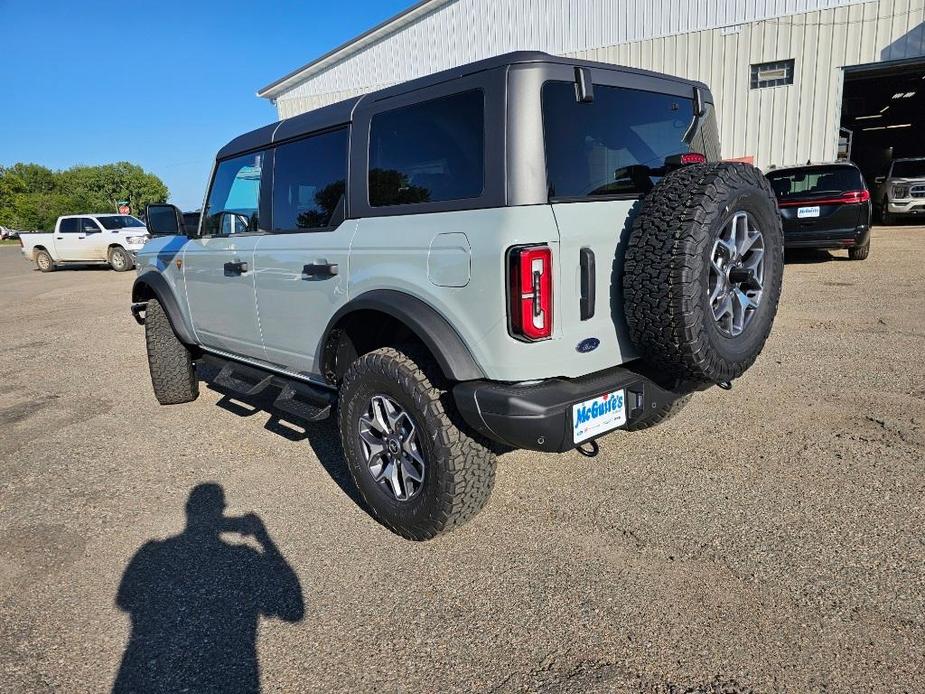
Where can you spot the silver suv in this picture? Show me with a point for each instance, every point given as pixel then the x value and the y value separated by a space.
pixel 524 252
pixel 901 190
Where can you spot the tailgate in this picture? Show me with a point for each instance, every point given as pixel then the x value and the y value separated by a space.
pixel 593 233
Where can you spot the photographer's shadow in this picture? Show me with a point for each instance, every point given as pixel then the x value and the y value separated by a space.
pixel 195 601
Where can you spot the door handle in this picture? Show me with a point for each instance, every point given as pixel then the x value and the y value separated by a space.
pixel 237 268
pixel 319 270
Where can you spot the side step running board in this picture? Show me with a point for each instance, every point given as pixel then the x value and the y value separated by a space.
pixel 302 400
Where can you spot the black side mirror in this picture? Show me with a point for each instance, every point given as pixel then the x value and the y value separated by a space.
pixel 164 220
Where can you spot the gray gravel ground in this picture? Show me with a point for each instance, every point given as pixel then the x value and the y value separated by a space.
pixel 767 539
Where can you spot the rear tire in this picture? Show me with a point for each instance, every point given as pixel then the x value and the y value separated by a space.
pixel 173 374
pixel 702 272
pixel 457 471
pixel 659 415
pixel 43 261
pixel 859 252
pixel 120 260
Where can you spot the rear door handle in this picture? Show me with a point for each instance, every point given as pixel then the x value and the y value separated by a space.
pixel 320 270
pixel 236 268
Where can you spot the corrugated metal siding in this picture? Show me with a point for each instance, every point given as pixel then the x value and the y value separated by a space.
pixel 715 41
pixel 788 124
pixel 467 30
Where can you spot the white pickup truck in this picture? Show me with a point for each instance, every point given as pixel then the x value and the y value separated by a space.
pixel 88 238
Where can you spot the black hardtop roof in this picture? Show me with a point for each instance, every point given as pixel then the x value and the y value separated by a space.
pixel 341 113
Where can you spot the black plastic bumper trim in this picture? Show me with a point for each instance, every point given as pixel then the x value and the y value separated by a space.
pixel 538 416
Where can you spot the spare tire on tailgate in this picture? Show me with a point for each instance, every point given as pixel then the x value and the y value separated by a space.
pixel 702 272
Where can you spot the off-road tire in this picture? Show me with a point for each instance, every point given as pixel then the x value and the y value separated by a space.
pixel 460 469
pixel 859 252
pixel 666 271
pixel 659 414
pixel 173 374
pixel 120 260
pixel 43 261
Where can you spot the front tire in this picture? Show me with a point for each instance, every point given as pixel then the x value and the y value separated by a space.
pixel 173 374
pixel 886 218
pixel 119 259
pixel 419 471
pixel 43 261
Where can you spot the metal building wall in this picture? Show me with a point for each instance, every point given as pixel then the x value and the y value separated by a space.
pixel 456 32
pixel 715 41
pixel 788 124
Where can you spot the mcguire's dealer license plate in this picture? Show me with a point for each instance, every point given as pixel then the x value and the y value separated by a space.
pixel 595 416
pixel 803 212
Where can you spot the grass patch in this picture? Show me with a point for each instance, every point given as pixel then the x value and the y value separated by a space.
pixel 9 242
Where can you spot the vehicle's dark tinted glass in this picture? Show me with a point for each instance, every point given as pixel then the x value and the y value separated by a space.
pixel 120 221
pixel 88 226
pixel 428 152
pixel 234 199
pixel 71 225
pixel 908 169
pixel 191 222
pixel 815 181
pixel 309 182
pixel 616 144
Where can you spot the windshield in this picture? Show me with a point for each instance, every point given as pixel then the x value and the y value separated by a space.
pixel 912 168
pixel 815 181
pixel 617 144
pixel 120 221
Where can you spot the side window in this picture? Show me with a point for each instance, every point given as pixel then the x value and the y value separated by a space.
pixel 89 226
pixel 71 225
pixel 234 199
pixel 309 182
pixel 428 152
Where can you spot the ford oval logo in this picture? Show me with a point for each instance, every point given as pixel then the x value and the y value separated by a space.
pixel 589 344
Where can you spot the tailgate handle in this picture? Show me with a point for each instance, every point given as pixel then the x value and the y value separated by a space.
pixel 586 262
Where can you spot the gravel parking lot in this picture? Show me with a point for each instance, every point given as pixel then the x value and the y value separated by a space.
pixel 767 539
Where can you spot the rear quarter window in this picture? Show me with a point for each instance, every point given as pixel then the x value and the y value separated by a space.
pixel 432 151
pixel 615 145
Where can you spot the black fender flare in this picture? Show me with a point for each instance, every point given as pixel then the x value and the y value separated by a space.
pixel 430 327
pixel 153 282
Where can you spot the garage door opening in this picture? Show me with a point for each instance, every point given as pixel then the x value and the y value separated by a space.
pixel 883 114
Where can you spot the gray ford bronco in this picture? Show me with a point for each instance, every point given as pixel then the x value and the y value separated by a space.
pixel 523 252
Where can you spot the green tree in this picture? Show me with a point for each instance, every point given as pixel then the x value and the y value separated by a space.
pixel 33 196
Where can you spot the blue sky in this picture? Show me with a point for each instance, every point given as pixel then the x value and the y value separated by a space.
pixel 161 84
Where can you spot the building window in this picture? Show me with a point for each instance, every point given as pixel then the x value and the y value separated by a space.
pixel 775 74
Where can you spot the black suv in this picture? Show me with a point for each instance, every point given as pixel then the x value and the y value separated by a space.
pixel 824 206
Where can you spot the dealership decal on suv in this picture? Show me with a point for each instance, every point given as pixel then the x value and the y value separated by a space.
pixel 594 417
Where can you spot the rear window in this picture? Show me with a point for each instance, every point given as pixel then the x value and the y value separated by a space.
pixel 814 181
pixel 617 144
pixel 908 169
pixel 432 151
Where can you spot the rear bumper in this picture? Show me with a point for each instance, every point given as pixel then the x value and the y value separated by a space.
pixel 538 416
pixel 828 238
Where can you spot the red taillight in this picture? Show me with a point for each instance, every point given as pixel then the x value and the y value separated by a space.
pixel 852 197
pixel 530 292
pixel 693 158
pixel 856 196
